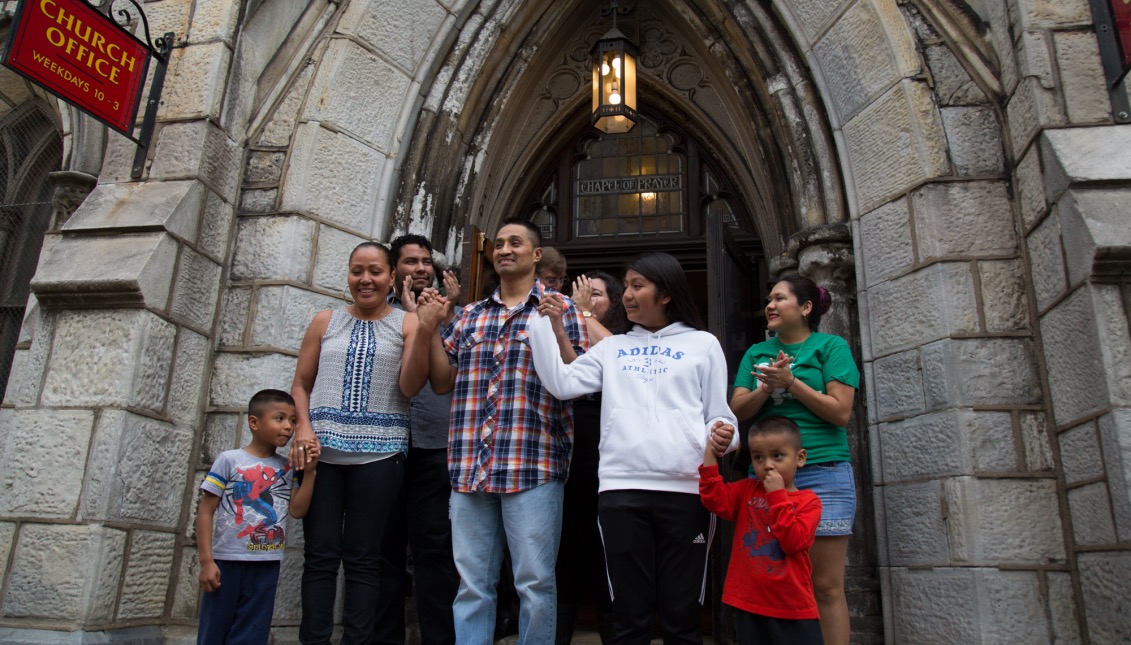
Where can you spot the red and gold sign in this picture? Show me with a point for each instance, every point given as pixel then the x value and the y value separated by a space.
pixel 81 55
pixel 1121 13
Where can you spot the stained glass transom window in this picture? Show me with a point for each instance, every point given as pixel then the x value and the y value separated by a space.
pixel 630 184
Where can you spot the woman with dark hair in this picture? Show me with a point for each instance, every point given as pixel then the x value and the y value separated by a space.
pixel 810 378
pixel 356 370
pixel 663 402
pixel 598 296
pixel 581 565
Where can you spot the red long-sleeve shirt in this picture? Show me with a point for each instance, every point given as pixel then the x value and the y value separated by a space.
pixel 769 572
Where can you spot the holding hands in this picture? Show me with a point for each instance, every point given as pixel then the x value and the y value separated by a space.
pixel 433 309
pixel 552 305
pixel 722 434
pixel 305 448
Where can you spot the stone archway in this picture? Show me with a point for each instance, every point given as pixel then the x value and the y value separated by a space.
pixel 957 160
pixel 852 123
pixel 763 115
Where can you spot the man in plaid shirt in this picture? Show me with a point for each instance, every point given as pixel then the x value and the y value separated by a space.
pixel 509 444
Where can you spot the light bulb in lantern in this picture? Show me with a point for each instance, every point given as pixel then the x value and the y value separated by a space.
pixel 614 98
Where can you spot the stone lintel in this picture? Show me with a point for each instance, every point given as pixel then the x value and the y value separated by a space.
pixel 1083 155
pixel 1095 233
pixel 127 270
pixel 173 206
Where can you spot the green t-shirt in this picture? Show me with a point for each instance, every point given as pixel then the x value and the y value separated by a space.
pixel 818 360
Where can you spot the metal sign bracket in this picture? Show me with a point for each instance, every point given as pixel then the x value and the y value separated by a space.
pixel 161 49
pixel 1111 55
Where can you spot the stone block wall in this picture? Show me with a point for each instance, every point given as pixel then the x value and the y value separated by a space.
pixel 986 191
pixel 100 421
pixel 969 372
pixel 321 163
pixel 1080 244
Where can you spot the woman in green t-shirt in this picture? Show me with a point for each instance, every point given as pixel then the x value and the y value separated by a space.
pixel 811 378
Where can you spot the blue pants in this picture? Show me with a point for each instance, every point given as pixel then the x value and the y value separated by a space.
pixel 530 522
pixel 239 612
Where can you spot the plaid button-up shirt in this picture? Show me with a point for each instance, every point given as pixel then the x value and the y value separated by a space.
pixel 508 434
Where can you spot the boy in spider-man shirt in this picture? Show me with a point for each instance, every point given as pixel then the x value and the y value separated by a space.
pixel 241 526
pixel 769 577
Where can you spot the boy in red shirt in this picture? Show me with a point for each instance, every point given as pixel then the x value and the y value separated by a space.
pixel 768 579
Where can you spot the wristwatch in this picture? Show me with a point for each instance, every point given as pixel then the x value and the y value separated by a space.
pixel 587 314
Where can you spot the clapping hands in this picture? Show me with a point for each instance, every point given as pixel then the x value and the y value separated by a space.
pixel 776 374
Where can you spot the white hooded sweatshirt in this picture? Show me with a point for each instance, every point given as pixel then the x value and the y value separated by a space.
pixel 661 393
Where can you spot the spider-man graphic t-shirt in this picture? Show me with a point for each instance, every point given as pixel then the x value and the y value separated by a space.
pixel 255 493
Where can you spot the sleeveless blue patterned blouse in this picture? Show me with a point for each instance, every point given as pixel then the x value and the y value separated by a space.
pixel 356 406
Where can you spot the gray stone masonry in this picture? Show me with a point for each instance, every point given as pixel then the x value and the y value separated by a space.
pixel 950 170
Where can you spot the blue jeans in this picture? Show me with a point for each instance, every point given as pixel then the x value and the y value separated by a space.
pixel 531 523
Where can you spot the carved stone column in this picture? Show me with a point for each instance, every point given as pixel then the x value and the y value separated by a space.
pixel 71 188
pixel 824 254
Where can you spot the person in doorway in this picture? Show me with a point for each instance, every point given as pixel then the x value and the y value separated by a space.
pixel 768 580
pixel 551 269
pixel 357 368
pixel 663 388
pixel 581 560
pixel 810 378
pixel 419 518
pixel 509 444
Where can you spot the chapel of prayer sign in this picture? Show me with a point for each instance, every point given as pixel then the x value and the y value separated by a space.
pixel 82 56
pixel 623 185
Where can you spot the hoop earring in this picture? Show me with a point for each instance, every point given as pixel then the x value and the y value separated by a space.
pixel 347 296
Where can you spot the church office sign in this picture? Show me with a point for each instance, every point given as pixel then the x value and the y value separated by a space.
pixel 82 56
pixel 1113 34
pixel 1121 14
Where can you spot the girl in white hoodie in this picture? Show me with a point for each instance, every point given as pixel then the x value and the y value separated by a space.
pixel 664 388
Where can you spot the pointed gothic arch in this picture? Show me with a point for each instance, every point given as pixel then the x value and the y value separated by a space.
pixel 761 116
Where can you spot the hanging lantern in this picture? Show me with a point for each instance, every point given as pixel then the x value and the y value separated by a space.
pixel 614 81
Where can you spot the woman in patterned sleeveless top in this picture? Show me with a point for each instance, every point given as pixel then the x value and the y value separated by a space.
pixel 356 372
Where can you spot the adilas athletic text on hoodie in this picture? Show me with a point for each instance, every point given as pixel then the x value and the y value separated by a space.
pixel 660 394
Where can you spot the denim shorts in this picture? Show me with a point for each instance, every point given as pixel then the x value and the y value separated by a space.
pixel 833 483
